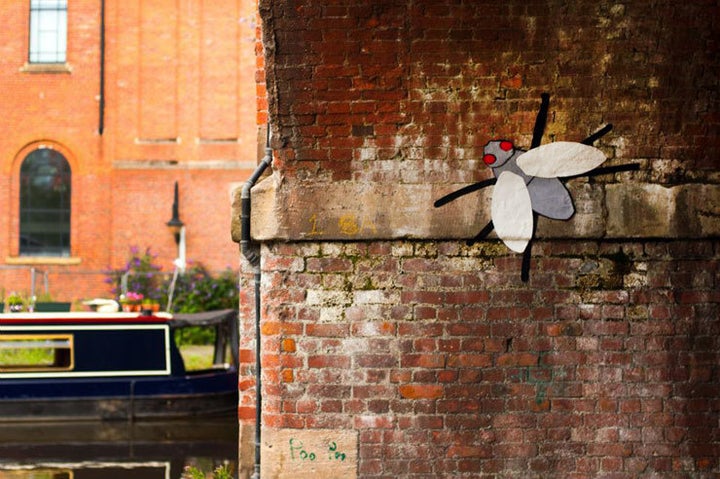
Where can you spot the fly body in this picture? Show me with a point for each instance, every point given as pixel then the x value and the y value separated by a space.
pixel 528 183
pixel 548 196
pixel 537 171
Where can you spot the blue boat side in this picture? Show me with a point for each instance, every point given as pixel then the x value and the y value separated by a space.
pixel 114 366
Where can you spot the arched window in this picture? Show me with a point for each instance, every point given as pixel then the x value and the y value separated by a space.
pixel 45 204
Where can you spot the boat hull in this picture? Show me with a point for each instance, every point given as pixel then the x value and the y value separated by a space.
pixel 119 399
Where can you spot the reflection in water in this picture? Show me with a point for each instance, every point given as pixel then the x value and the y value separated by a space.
pixel 117 450
pixel 105 470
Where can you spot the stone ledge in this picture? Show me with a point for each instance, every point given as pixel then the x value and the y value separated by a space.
pixel 283 211
pixel 43 260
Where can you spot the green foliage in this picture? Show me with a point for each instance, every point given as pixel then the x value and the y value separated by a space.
pixel 197 290
pixel 195 335
pixel 15 298
pixel 43 297
pixel 26 356
pixel 197 358
pixel 15 302
pixel 220 472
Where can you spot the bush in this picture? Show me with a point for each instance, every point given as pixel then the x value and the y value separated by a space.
pixel 195 291
pixel 143 275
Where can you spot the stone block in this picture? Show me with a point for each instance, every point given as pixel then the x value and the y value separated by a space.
pixel 657 211
pixel 363 211
pixel 316 453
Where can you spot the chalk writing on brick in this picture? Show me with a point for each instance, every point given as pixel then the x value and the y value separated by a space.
pixel 349 224
pixel 298 452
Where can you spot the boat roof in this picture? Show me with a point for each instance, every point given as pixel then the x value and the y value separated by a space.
pixel 207 318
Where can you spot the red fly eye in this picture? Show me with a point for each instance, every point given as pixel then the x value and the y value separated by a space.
pixel 506 145
pixel 489 159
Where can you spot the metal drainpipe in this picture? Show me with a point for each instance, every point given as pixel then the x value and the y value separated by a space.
pixel 101 103
pixel 251 251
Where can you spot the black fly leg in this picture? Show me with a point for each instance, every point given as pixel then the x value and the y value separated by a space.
pixel 527 254
pixel 464 191
pixel 607 169
pixel 525 268
pixel 538 132
pixel 597 135
pixel 610 169
pixel 482 234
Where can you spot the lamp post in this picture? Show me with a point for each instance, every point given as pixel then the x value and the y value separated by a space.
pixel 177 228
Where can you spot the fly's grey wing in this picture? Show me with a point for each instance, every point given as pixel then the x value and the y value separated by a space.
pixel 550 198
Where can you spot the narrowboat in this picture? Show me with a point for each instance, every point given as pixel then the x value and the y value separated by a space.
pixel 113 366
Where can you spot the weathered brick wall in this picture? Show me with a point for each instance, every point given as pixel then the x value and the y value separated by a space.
pixel 180 105
pixel 361 88
pixel 372 102
pixel 447 365
pixel 378 320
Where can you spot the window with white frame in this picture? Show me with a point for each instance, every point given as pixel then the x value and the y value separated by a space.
pixel 48 31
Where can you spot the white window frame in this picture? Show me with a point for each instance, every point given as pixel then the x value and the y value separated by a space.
pixel 48 32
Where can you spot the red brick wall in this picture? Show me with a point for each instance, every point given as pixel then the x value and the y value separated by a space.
pixel 356 87
pixel 448 366
pixel 606 363
pixel 180 105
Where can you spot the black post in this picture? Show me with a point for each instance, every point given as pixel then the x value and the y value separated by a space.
pixel 101 103
pixel 258 379
pixel 175 220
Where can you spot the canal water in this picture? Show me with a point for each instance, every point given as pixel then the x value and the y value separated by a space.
pixel 117 450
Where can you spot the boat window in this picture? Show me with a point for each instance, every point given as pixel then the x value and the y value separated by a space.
pixel 36 352
pixel 202 348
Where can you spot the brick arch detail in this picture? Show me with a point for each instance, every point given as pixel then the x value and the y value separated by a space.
pixel 14 190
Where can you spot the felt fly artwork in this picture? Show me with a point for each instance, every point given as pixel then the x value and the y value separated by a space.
pixel 527 183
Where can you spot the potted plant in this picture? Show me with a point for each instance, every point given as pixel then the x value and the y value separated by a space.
pixel 15 303
pixel 150 306
pixel 124 304
pixel 131 302
pixel 45 304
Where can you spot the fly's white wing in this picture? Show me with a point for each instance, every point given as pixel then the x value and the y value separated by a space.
pixel 562 158
pixel 511 211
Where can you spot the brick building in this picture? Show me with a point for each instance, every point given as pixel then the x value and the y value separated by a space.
pixel 120 100
pixel 391 348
